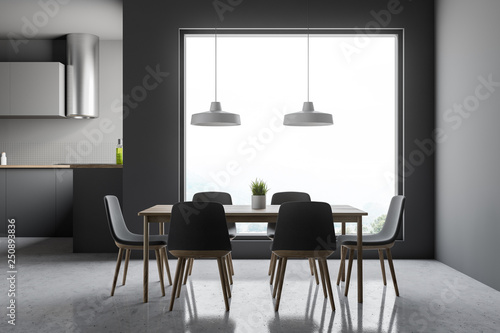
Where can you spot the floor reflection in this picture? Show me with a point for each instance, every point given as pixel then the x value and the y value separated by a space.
pixel 68 292
pixel 384 323
pixel 309 321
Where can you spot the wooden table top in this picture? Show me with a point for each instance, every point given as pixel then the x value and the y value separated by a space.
pixel 242 210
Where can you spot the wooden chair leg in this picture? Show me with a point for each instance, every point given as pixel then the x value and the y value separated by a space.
pixel 315 271
pixel 273 269
pixel 349 269
pixel 186 270
pixel 343 263
pixel 323 282
pixel 125 269
pixel 280 282
pixel 273 258
pixel 160 271
pixel 228 269
pixel 191 262
pixel 230 256
pixel 276 280
pixel 117 270
pixel 381 256
pixel 176 283
pixel 226 273
pixel 222 282
pixel 393 273
pixel 179 286
pixel 328 282
pixel 343 252
pixel 311 265
pixel 165 260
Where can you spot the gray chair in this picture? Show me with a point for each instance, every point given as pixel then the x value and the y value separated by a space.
pixel 384 240
pixel 304 230
pixel 278 199
pixel 127 241
pixel 224 199
pixel 199 231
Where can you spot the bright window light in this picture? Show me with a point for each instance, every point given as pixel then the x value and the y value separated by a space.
pixel 263 77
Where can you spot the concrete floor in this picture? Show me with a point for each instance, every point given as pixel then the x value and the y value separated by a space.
pixel 58 291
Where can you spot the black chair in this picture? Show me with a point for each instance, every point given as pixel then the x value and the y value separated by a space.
pixel 278 199
pixel 304 230
pixel 224 199
pixel 126 240
pixel 384 240
pixel 198 230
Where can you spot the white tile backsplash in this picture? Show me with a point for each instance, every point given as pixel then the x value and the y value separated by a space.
pixel 33 153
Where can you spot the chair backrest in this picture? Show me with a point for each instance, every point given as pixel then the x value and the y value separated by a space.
pixel 304 226
pixel 220 197
pixel 117 226
pixel 197 227
pixel 394 219
pixel 282 197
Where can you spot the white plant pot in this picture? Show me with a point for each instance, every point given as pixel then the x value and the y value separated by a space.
pixel 258 201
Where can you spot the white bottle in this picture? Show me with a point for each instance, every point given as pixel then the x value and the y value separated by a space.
pixel 4 159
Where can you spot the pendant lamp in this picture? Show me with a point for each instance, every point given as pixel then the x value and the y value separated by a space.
pixel 215 116
pixel 308 117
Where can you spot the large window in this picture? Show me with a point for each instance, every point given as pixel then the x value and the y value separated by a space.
pixel 263 76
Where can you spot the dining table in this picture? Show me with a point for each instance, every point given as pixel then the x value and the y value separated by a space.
pixel 245 214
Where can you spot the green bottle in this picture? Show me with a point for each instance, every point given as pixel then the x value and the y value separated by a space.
pixel 119 152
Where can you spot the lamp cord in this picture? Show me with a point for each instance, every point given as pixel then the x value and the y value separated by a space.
pixel 308 63
pixel 307 22
pixel 215 64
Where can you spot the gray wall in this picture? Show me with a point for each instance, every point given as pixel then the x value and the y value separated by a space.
pixel 151 123
pixel 48 141
pixel 468 161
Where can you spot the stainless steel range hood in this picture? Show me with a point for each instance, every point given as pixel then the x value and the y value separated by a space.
pixel 82 76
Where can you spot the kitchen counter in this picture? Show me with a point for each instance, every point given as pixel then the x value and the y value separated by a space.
pixel 64 166
pixel 63 201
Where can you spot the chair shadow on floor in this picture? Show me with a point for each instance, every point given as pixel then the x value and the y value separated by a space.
pixel 205 323
pixel 347 320
pixel 307 323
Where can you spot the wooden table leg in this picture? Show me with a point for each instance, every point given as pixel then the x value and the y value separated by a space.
pixel 146 259
pixel 342 277
pixel 161 232
pixel 360 259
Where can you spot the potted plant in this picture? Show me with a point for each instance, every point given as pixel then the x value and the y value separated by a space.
pixel 259 190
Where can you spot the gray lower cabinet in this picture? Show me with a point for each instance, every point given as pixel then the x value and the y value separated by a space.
pixel 60 203
pixel 90 226
pixel 39 201
pixel 64 203
pixel 31 202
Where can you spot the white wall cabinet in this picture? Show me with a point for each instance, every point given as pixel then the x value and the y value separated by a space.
pixel 36 90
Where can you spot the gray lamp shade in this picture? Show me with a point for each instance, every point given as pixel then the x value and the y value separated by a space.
pixel 308 117
pixel 215 117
